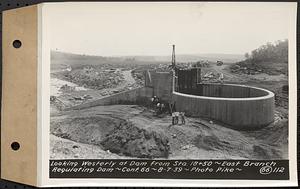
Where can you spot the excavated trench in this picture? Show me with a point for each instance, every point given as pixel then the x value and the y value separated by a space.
pixel 114 134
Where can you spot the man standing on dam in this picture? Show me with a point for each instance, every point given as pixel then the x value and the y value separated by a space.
pixel 182 118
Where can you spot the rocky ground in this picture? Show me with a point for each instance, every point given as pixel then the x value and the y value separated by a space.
pixel 134 131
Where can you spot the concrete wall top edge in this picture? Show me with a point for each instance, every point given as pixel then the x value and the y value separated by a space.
pixel 269 94
pixel 160 72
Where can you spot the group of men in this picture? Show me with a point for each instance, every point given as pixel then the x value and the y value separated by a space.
pixel 176 116
pixel 161 108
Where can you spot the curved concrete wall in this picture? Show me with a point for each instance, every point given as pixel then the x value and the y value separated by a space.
pixel 229 91
pixel 240 107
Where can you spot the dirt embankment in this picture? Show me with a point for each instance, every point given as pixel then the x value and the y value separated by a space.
pixel 133 131
pixel 128 140
pixel 112 134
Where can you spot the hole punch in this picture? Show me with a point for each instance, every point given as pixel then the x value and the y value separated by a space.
pixel 15 146
pixel 17 44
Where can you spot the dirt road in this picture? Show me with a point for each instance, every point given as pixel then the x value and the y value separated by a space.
pixel 127 82
pixel 228 76
pixel 128 77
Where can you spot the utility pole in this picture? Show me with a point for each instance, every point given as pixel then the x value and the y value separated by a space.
pixel 173 57
pixel 173 66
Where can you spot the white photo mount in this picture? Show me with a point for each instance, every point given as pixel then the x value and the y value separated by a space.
pixel 25 140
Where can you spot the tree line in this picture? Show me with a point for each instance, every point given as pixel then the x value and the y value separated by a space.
pixel 277 51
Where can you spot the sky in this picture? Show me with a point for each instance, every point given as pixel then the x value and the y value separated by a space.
pixel 120 29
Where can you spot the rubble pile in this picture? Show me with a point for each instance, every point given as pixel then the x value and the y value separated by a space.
pixel 246 69
pixel 128 140
pixel 163 68
pixel 94 78
pixel 253 68
pixel 202 64
pixel 66 88
pixel 54 101
pixel 212 77
pixel 198 64
pixel 138 77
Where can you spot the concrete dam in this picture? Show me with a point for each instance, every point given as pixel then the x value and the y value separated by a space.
pixel 236 106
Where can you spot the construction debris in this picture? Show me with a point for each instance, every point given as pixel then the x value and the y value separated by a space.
pixel 66 88
pixel 213 77
pixel 219 63
pixel 246 69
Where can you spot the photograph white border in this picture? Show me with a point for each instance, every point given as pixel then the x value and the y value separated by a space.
pixel 44 121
